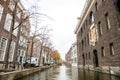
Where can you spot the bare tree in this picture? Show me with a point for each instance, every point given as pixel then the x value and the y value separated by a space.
pixel 44 39
pixel 13 27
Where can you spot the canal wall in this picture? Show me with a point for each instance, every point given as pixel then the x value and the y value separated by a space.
pixel 103 69
pixel 18 74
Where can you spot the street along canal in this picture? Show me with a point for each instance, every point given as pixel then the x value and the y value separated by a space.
pixel 67 73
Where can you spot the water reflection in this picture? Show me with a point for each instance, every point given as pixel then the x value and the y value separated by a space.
pixel 91 75
pixel 67 73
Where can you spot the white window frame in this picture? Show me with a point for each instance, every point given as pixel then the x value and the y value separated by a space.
pixel 12 49
pixel 3 56
pixel 108 21
pixel 15 32
pixel 8 22
pixel 103 51
pixel 112 50
pixel 18 55
pixel 18 13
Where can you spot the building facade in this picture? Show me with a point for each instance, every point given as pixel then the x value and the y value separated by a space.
pixel 39 55
pixel 33 53
pixel 18 46
pixel 74 54
pixel 98 35
pixel 68 59
pixel 47 56
pixel 71 56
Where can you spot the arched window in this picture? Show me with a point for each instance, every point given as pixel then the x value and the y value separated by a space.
pixel 91 18
pixel 117 4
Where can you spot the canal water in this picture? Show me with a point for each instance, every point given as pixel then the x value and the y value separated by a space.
pixel 69 73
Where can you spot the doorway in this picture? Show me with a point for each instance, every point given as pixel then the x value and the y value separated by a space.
pixel 83 56
pixel 95 58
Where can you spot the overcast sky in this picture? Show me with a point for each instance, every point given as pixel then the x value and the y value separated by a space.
pixel 64 14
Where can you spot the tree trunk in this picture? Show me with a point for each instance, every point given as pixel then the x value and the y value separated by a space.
pixel 11 35
pixel 39 62
pixel 31 49
pixel 8 49
pixel 17 46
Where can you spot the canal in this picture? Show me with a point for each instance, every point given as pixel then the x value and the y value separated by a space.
pixel 67 73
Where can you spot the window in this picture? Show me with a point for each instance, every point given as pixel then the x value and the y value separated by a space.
pixel 107 21
pixel 18 12
pixel 85 41
pixel 2 48
pixel 82 45
pixel 102 51
pixel 103 0
pixel 1 11
pixel 117 4
pixel 91 18
pixel 96 6
pixel 111 49
pixel 23 55
pixel 89 55
pixel 16 30
pixel 88 38
pixel 81 32
pixel 86 56
pixel 18 55
pixel 11 53
pixel 12 4
pixel 8 22
pixel 99 29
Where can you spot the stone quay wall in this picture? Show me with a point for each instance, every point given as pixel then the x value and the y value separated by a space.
pixel 18 74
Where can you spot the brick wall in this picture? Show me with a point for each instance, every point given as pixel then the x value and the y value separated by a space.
pixel 111 35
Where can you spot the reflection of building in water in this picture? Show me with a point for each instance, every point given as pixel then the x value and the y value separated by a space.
pixel 98 36
pixel 92 75
pixel 74 73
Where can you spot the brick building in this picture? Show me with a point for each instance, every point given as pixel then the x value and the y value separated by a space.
pixel 47 55
pixel 34 53
pixel 68 57
pixel 18 45
pixel 98 35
